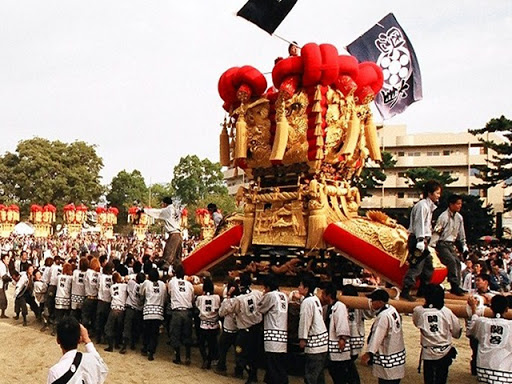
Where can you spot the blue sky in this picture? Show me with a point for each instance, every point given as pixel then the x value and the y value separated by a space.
pixel 139 78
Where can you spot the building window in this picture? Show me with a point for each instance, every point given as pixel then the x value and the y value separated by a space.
pixel 474 172
pixel 401 195
pixel 447 153
pixel 402 174
pixel 414 154
pixel 477 150
pixel 401 154
pixel 433 153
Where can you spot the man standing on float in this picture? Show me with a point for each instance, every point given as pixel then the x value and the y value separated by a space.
pixel 172 220
pixel 420 232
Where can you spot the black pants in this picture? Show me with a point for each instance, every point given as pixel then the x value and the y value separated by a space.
pixel 314 368
pixel 151 333
pixel 448 256
pixel 59 315
pixel 343 372
pixel 226 340
pixel 276 368
pixel 20 305
pixel 102 312
pixel 89 313
pixel 49 301
pixel 181 328
pixel 172 251
pixel 132 325
pixel 473 343
pixel 247 351
pixel 114 327
pixel 436 371
pixel 421 267
pixel 208 345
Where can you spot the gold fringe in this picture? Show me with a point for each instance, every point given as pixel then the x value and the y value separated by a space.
pixel 317 223
pixel 353 130
pixel 317 107
pixel 224 147
pixel 318 93
pixel 241 138
pixel 280 139
pixel 372 140
pixel 246 241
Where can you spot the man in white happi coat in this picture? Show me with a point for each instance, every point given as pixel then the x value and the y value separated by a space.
pixel 76 367
pixel 494 335
pixel 313 336
pixel 386 347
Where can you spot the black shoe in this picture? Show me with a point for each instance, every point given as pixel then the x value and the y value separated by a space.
pixel 109 349
pixel 407 296
pixel 177 361
pixel 17 317
pixel 222 372
pixel 238 375
pixel 151 357
pixel 123 349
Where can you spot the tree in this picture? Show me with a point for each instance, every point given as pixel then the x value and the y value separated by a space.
pixel 195 179
pixel 125 189
pixel 157 192
pixel 499 167
pixel 374 177
pixel 43 171
pixel 419 176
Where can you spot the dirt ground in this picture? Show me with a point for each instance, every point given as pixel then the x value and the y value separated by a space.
pixel 27 354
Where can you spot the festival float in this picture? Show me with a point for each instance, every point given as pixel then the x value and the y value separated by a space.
pixel 74 217
pixel 205 220
pixel 106 219
pixel 140 222
pixel 9 216
pixel 303 144
pixel 42 220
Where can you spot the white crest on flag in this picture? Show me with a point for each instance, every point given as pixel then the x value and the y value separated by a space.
pixel 396 64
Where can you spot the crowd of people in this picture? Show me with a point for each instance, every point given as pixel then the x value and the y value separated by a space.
pixel 116 289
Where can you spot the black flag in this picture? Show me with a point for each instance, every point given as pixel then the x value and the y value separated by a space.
pixel 266 14
pixel 387 45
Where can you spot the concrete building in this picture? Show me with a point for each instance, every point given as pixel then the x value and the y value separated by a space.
pixel 455 153
pixel 234 178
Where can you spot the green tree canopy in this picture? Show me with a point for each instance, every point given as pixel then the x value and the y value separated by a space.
pixel 124 190
pixel 157 192
pixel 196 179
pixel 43 171
pixel 499 167
pixel 419 176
